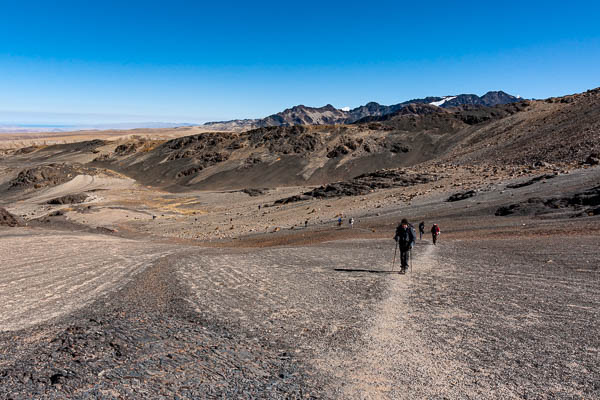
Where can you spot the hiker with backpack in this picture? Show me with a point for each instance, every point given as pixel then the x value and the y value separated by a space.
pixel 421 230
pixel 405 239
pixel 435 232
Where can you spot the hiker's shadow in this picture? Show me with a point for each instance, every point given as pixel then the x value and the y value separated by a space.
pixel 372 271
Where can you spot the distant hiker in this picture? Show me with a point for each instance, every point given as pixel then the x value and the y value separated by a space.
pixel 351 222
pixel 435 232
pixel 421 230
pixel 405 239
pixel 259 207
pixel 306 224
pixel 340 221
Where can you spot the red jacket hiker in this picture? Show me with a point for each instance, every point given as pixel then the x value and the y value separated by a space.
pixel 435 232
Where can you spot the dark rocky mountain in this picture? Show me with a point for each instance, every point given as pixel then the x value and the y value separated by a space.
pixel 371 109
pixel 329 115
pixel 490 99
pixel 417 117
pixel 302 115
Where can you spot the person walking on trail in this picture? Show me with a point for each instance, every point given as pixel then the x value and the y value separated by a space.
pixel 405 239
pixel 435 232
pixel 340 221
pixel 351 222
pixel 421 230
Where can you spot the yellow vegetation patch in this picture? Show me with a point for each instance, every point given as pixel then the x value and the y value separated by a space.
pixel 183 206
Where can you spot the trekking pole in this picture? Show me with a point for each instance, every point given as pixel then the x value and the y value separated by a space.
pixel 395 250
pixel 410 255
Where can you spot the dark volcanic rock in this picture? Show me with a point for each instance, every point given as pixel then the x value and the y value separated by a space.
pixel 253 192
pixel 250 162
pixel 461 196
pixel 512 209
pixel 366 183
pixel 293 199
pixel 48 175
pixel 126 149
pixel 197 142
pixel 45 175
pixel 477 114
pixel 57 213
pixel 338 151
pixel 8 219
pixel 203 150
pixel 399 148
pixel 590 197
pixel 69 199
pixel 286 140
pixel 189 171
pixel 363 184
pixel 592 159
pixel 585 203
pixel 531 181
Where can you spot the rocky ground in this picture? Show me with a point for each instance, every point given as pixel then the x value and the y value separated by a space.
pixel 503 307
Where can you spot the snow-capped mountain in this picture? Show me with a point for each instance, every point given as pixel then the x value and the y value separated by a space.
pixel 329 115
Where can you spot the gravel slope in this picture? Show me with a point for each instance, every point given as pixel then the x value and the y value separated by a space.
pixel 46 274
pixel 475 319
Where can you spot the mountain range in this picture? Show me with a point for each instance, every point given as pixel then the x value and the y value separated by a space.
pixel 329 115
pixel 561 131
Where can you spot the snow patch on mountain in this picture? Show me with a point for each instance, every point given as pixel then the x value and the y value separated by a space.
pixel 440 102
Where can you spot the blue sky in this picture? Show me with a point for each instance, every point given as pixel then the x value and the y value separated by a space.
pixel 185 61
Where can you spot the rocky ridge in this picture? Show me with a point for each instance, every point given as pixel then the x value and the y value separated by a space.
pixel 329 115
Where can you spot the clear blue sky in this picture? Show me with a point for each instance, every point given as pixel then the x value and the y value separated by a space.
pixel 188 61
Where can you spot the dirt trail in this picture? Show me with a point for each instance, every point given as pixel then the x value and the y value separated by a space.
pixel 396 363
pixel 460 326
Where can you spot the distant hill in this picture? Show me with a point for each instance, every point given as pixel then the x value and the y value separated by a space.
pixel 329 115
pixel 24 128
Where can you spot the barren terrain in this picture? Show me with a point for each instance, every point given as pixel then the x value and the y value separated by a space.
pixel 117 283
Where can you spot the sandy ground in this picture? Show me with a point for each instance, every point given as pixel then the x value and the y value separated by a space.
pixel 46 274
pixel 24 139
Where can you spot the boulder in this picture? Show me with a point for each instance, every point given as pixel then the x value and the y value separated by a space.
pixel 8 219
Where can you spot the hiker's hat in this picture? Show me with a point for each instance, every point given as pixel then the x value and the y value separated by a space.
pixel 404 221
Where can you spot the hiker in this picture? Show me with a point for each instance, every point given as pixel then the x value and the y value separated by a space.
pixel 405 239
pixel 351 221
pixel 306 224
pixel 435 232
pixel 340 221
pixel 421 230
